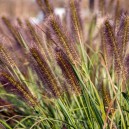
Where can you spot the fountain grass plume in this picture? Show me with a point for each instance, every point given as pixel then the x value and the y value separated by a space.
pixel 47 76
pixel 15 87
pixel 67 70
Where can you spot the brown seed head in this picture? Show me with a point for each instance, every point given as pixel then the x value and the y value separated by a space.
pixel 46 73
pixel 67 70
pixel 13 86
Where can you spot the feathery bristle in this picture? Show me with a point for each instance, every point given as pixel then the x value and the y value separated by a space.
pixel 48 6
pixel 123 34
pixel 61 37
pixel 33 33
pixel 76 19
pixel 35 36
pixel 13 30
pixel 104 48
pixel 37 40
pixel 6 58
pixel 45 6
pixel 126 63
pixel 106 96
pixel 47 75
pixel 13 86
pixel 67 70
pixel 112 42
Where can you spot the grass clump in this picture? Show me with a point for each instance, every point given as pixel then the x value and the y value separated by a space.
pixel 57 79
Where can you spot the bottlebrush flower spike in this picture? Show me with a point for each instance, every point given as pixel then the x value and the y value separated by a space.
pixel 126 63
pixel 76 19
pixel 104 47
pixel 4 56
pixel 35 36
pixel 13 31
pixel 112 42
pixel 106 96
pixel 123 34
pixel 45 6
pixel 15 87
pixel 49 7
pixel 46 74
pixel 67 70
pixel 61 38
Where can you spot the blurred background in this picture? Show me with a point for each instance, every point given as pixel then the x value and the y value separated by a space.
pixel 22 8
pixel 26 8
pixel 18 8
pixel 29 8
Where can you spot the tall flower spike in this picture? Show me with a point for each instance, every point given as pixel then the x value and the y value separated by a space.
pixel 76 19
pixel 13 31
pixel 15 87
pixel 67 70
pixel 40 4
pixel 46 74
pixel 111 41
pixel 33 33
pixel 126 63
pixel 48 6
pixel 45 6
pixel 106 96
pixel 117 14
pixel 36 37
pixel 6 58
pixel 123 34
pixel 61 37
pixel 103 42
